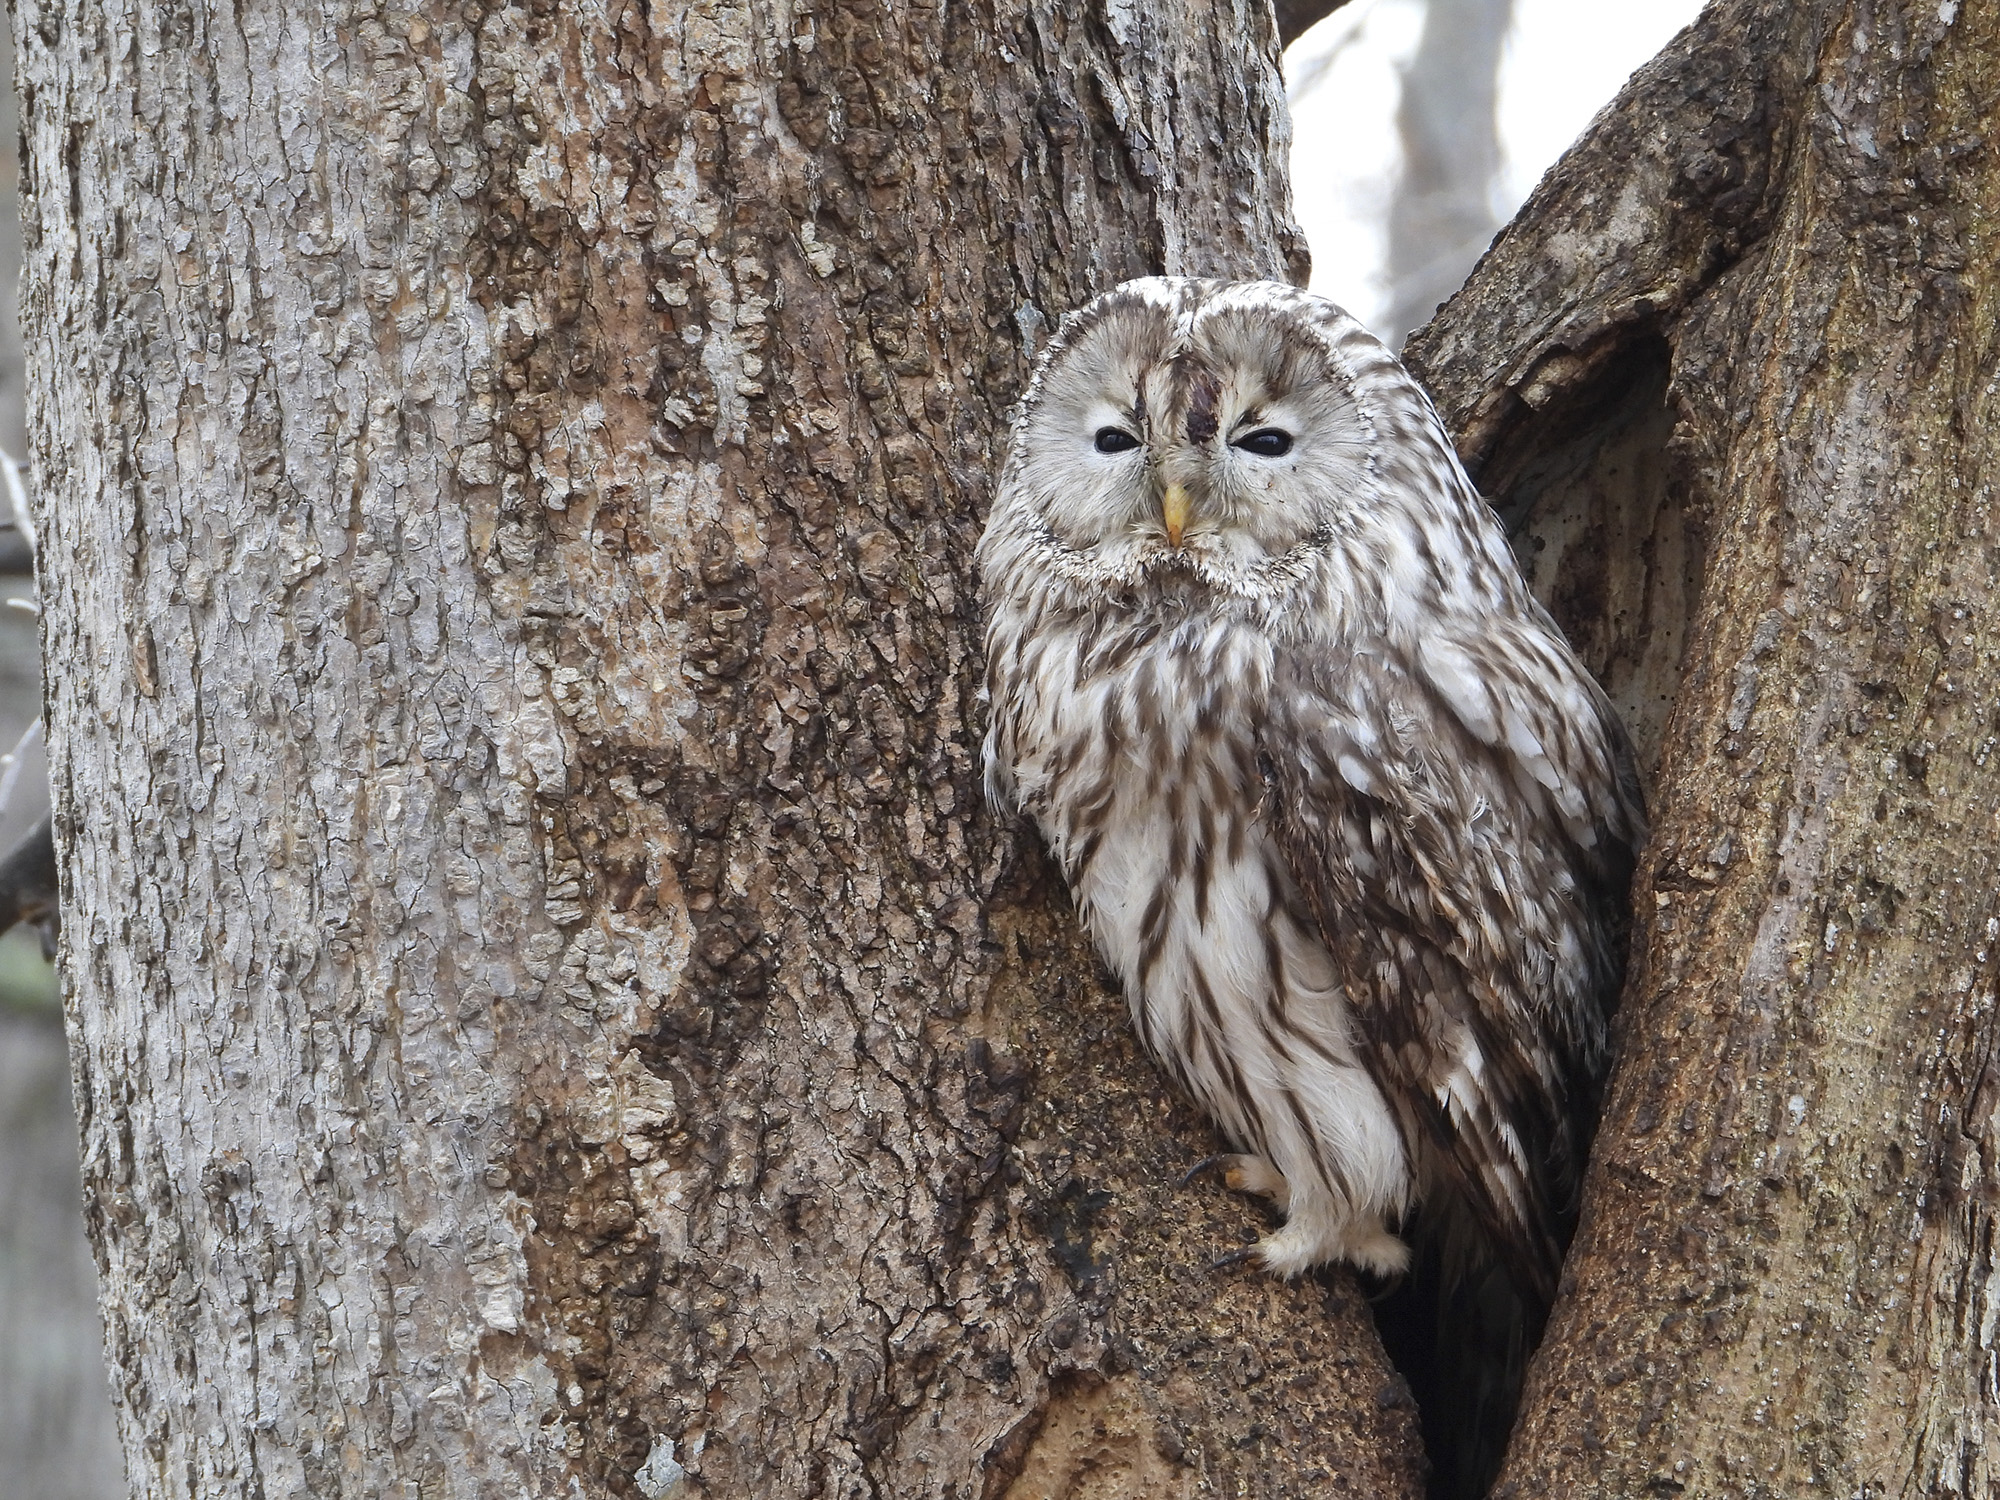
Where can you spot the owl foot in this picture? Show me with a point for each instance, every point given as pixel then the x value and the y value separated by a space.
pixel 1363 1243
pixel 1242 1173
pixel 1233 1258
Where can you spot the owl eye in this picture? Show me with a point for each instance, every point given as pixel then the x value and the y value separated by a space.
pixel 1115 440
pixel 1265 442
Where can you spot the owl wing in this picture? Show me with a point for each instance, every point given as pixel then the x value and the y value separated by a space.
pixel 1460 819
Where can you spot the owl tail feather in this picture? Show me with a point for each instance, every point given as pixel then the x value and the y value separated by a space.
pixel 1460 1329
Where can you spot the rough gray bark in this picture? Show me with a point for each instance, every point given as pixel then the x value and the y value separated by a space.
pixel 552 1013
pixel 1441 216
pixel 1731 374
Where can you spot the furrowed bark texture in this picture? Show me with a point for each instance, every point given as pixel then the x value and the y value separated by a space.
pixel 552 1012
pixel 1731 375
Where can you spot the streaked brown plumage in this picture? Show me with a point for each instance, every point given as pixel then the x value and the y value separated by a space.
pixel 1337 801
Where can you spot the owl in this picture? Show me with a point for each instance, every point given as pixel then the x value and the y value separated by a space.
pixel 1336 801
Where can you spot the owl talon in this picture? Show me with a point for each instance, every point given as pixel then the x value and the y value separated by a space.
pixel 1257 1177
pixel 1377 1289
pixel 1206 1164
pixel 1234 1258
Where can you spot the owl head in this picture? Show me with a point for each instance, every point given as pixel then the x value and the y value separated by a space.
pixel 1222 436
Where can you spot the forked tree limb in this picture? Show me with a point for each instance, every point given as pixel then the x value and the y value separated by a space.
pixel 1664 193
pixel 1297 17
pixel 1730 369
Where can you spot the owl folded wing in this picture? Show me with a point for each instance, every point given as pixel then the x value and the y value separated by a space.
pixel 1461 834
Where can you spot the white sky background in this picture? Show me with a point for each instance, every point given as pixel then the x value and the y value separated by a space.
pixel 1565 60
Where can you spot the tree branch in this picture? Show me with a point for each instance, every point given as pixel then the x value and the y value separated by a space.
pixel 1297 17
pixel 1726 378
pixel 1660 196
pixel 28 886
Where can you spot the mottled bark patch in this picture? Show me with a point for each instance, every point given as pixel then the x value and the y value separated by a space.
pixel 1101 1440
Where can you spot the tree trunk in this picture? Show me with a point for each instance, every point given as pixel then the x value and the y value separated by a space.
pixel 1448 123
pixel 552 1013
pixel 1731 375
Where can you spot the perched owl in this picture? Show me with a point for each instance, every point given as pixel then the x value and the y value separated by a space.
pixel 1336 800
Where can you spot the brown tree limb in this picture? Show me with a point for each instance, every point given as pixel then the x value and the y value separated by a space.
pixel 1297 17
pixel 1729 377
pixel 1663 194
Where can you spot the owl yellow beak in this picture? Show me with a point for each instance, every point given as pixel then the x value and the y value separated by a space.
pixel 1174 511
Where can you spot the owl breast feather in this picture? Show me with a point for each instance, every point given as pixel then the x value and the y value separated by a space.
pixel 1135 747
